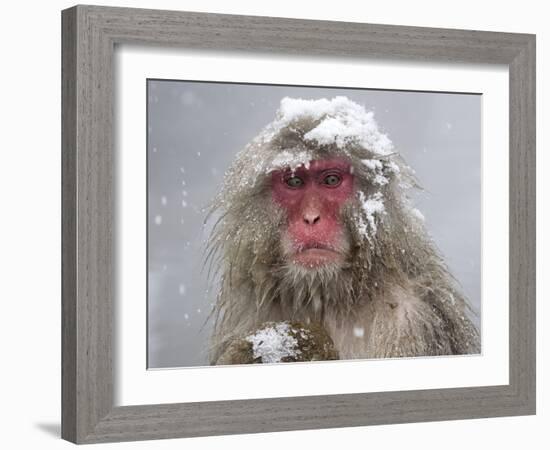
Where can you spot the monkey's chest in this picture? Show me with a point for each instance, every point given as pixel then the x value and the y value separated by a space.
pixel 350 335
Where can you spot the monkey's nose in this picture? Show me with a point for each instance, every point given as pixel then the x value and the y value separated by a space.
pixel 311 218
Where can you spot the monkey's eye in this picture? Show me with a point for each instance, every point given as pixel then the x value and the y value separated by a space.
pixel 332 180
pixel 294 182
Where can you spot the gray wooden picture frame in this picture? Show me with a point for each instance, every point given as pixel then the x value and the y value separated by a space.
pixel 90 34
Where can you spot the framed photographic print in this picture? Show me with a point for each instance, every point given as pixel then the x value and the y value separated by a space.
pixel 279 224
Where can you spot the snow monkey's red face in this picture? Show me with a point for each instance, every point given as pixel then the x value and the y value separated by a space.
pixel 312 196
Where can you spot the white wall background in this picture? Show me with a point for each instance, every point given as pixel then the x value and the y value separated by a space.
pixel 30 223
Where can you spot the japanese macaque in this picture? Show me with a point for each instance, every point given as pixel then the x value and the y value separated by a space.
pixel 316 242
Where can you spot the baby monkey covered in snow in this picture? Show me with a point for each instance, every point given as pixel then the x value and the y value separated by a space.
pixel 315 232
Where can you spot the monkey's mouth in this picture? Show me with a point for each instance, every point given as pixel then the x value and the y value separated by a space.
pixel 316 255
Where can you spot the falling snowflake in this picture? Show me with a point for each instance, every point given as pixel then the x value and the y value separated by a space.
pixel 358 332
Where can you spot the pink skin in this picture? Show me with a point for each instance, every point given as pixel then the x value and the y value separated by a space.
pixel 313 205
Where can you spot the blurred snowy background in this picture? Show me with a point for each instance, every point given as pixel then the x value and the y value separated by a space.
pixel 195 130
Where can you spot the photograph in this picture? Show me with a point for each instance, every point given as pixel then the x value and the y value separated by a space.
pixel 288 223
pixel 300 223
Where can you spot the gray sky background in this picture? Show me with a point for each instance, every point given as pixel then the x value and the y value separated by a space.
pixel 195 130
